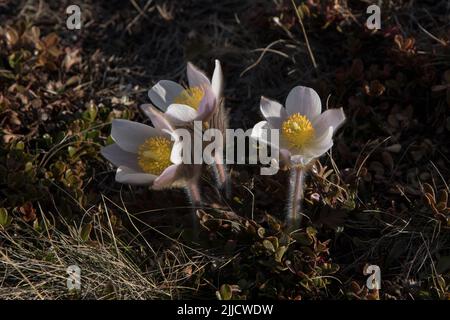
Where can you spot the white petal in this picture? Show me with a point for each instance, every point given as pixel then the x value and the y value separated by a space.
pixel 273 112
pixel 158 119
pixel 330 118
pixel 217 80
pixel 261 133
pixel 196 78
pixel 180 113
pixel 173 135
pixel 305 101
pixel 207 105
pixel 167 177
pixel 118 157
pixel 257 131
pixel 320 145
pixel 164 92
pixel 130 176
pixel 129 135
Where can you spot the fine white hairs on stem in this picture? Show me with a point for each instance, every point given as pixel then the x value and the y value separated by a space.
pixel 193 193
pixel 220 121
pixel 222 177
pixel 296 192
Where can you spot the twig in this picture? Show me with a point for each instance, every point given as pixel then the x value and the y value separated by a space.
pixel 311 55
pixel 266 49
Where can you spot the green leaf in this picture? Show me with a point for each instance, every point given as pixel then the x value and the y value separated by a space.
pixel 91 113
pixel 37 226
pixel 86 232
pixel 311 232
pixel 268 245
pixel 20 145
pixel 274 241
pixel 280 252
pixel 71 151
pixel 28 166
pixel 238 200
pixel 13 60
pixel 225 292
pixel 5 219
pixel 109 141
pixel 261 232
pixel 41 225
pixel 92 134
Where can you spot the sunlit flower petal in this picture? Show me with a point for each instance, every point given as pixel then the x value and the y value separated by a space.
pixel 119 157
pixel 258 131
pixel 262 132
pixel 196 78
pixel 330 118
pixel 129 176
pixel 273 112
pixel 207 106
pixel 321 144
pixel 305 101
pixel 129 135
pixel 180 113
pixel 164 93
pixel 167 177
pixel 158 119
pixel 217 80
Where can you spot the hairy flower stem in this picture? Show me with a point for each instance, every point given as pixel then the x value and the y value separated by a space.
pixel 222 178
pixel 297 181
pixel 220 122
pixel 193 193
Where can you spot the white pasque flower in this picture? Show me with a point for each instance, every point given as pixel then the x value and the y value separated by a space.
pixel 143 154
pixel 196 102
pixel 305 133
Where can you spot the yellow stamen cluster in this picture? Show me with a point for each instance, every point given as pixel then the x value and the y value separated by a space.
pixel 154 155
pixel 190 97
pixel 297 130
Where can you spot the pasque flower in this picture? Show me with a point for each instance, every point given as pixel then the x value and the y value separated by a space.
pixel 143 154
pixel 201 100
pixel 198 101
pixel 305 134
pixel 146 155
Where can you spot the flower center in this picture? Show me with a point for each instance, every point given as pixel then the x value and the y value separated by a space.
pixel 190 97
pixel 297 130
pixel 154 155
